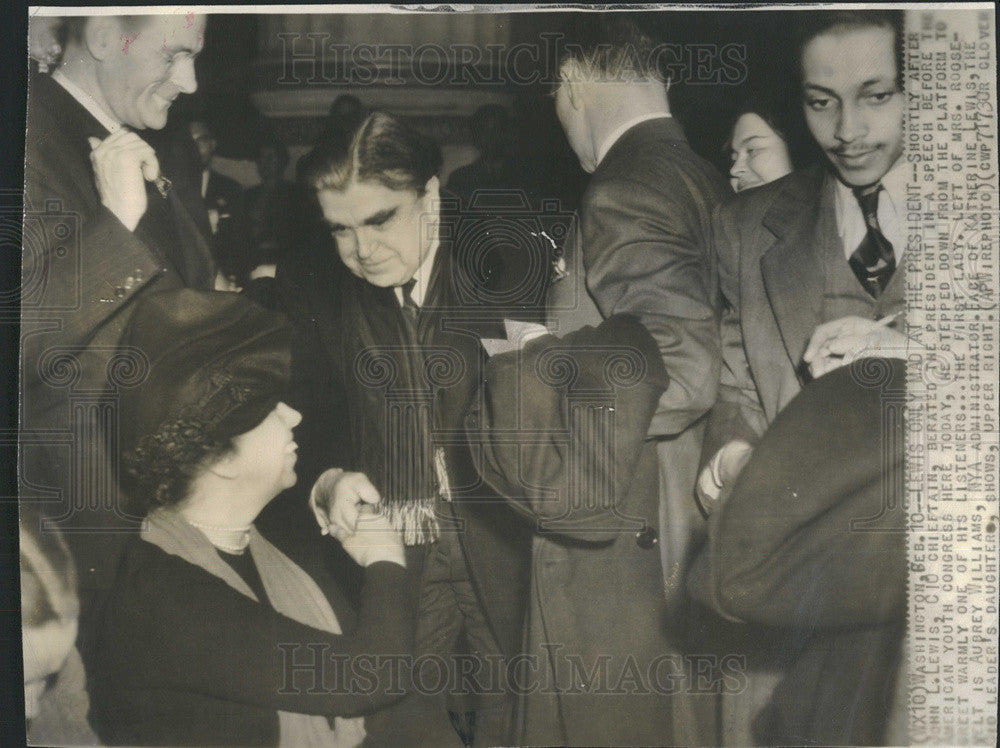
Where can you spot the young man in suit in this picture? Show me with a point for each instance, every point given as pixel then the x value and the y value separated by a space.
pixel 102 227
pixel 641 248
pixel 219 192
pixel 808 264
pixel 809 271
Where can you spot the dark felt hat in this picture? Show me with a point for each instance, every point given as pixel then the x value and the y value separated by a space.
pixel 217 364
pixel 813 532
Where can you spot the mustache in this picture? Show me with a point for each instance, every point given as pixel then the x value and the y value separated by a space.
pixel 854 150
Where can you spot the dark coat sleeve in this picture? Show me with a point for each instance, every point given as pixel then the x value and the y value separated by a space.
pixel 174 628
pixel 813 532
pixel 737 413
pixel 309 293
pixel 82 266
pixel 66 255
pixel 562 423
pixel 646 255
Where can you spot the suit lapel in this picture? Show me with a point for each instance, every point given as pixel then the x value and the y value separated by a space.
pixel 60 121
pixel 792 268
pixel 200 267
pixel 195 264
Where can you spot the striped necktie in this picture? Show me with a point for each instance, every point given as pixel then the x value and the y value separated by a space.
pixel 874 261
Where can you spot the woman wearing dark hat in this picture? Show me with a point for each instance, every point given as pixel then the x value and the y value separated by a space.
pixel 204 639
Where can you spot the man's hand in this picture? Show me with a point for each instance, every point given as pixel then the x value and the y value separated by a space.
pixel 123 163
pixel 838 343
pixel 374 539
pixel 337 499
pixel 721 470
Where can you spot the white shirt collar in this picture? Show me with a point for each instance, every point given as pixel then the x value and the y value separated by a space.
pixel 87 101
pixel 851 223
pixel 893 185
pixel 422 278
pixel 622 129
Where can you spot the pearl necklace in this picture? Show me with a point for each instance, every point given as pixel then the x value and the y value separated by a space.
pixel 228 539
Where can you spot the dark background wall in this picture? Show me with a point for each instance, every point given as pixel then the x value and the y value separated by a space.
pixel 240 68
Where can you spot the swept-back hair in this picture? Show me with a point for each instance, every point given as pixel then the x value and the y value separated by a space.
pixel 785 121
pixel 814 23
pixel 380 148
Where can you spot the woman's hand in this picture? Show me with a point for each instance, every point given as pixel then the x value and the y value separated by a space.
pixel 375 539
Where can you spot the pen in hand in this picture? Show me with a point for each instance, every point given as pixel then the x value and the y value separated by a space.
pixel 888 320
pixel 804 370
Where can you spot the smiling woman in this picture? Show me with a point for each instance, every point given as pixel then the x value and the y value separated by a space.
pixel 758 147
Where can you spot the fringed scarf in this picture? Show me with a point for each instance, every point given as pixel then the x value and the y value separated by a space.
pixel 391 406
pixel 290 590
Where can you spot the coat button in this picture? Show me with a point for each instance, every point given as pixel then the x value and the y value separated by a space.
pixel 647 538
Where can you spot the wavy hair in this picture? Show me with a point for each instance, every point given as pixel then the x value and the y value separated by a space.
pixel 159 470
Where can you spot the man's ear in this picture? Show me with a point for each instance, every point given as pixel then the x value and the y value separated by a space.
pixel 101 36
pixel 572 75
pixel 433 186
pixel 432 191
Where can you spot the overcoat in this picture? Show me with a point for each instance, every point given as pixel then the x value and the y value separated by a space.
pixel 563 434
pixel 808 552
pixel 466 301
pixel 639 248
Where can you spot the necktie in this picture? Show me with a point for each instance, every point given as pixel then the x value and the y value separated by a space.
pixel 410 308
pixel 874 261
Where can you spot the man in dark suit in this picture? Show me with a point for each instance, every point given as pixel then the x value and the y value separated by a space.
pixel 101 228
pixel 809 281
pixel 386 359
pixel 221 197
pixel 640 248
